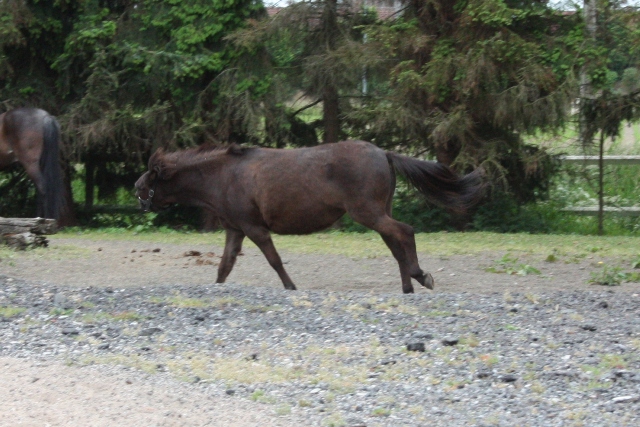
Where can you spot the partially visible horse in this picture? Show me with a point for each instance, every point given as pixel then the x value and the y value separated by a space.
pixel 255 191
pixel 31 136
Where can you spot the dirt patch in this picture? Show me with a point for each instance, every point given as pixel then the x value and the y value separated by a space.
pixel 121 264
pixel 51 394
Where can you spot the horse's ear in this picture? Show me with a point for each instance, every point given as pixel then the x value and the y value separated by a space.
pixel 235 150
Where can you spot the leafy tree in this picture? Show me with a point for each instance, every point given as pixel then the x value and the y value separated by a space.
pixel 611 92
pixel 307 54
pixel 467 79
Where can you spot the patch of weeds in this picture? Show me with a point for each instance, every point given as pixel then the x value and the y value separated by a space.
pixel 304 403
pixel 537 387
pixel 532 298
pixel 636 262
pixel 91 318
pixel 489 359
pixel 470 340
pixel 596 385
pixel 334 420
pixel 57 311
pixel 415 410
pixel 633 277
pixel 510 327
pixel 223 302
pixel 381 412
pixel 438 313
pixel 301 302
pixel 369 320
pixel 553 256
pixel 456 384
pixel 10 311
pixel 252 371
pixel 593 371
pixel 179 301
pixel 283 410
pixel 608 276
pixel 262 397
pixel 614 361
pixel 510 265
pixel 127 316
pixel 577 317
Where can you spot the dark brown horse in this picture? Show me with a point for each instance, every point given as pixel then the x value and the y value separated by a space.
pixel 31 137
pixel 255 191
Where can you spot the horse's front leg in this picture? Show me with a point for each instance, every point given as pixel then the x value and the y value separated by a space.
pixel 262 238
pixel 232 247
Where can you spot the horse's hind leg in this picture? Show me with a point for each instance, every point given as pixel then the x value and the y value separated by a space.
pixel 261 237
pixel 232 247
pixel 399 237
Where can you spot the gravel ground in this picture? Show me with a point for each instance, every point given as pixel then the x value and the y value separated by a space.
pixel 163 349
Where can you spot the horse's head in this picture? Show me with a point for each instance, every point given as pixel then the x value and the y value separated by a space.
pixel 152 188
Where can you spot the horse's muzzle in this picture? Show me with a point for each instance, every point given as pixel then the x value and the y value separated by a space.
pixel 145 205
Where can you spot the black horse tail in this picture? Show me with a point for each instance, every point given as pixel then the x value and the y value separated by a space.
pixel 441 185
pixel 50 203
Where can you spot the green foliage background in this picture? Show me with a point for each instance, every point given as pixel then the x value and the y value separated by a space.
pixel 468 82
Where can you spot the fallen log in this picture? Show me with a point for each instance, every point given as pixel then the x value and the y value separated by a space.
pixel 28 225
pixel 22 233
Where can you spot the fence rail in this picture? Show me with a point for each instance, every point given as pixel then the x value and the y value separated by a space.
pixel 608 160
pixel 594 161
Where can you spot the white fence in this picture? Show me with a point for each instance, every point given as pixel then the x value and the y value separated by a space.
pixel 608 160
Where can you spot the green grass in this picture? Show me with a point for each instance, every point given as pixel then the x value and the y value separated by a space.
pixel 10 311
pixel 370 245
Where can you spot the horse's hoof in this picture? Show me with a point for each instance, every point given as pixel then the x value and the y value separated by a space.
pixel 428 281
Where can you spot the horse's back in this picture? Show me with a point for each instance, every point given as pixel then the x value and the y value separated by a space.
pixel 24 119
pixel 307 189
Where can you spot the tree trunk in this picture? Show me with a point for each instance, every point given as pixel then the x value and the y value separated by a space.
pixel 331 114
pixel 331 104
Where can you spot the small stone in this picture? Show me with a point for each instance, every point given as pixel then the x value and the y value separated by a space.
pixel 230 392
pixel 103 346
pixel 625 399
pixel 603 304
pixel 149 331
pixel 509 378
pixel 449 341
pixel 483 374
pixel 70 331
pixel 588 327
pixel 416 346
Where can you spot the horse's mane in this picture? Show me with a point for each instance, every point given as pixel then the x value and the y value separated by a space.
pixel 167 163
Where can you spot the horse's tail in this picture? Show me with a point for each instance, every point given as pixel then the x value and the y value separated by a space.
pixel 52 201
pixel 440 184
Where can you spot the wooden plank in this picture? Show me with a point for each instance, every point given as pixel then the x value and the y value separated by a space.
pixel 593 210
pixel 608 160
pixel 28 225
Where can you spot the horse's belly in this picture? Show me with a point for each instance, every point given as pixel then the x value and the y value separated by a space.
pixel 303 222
